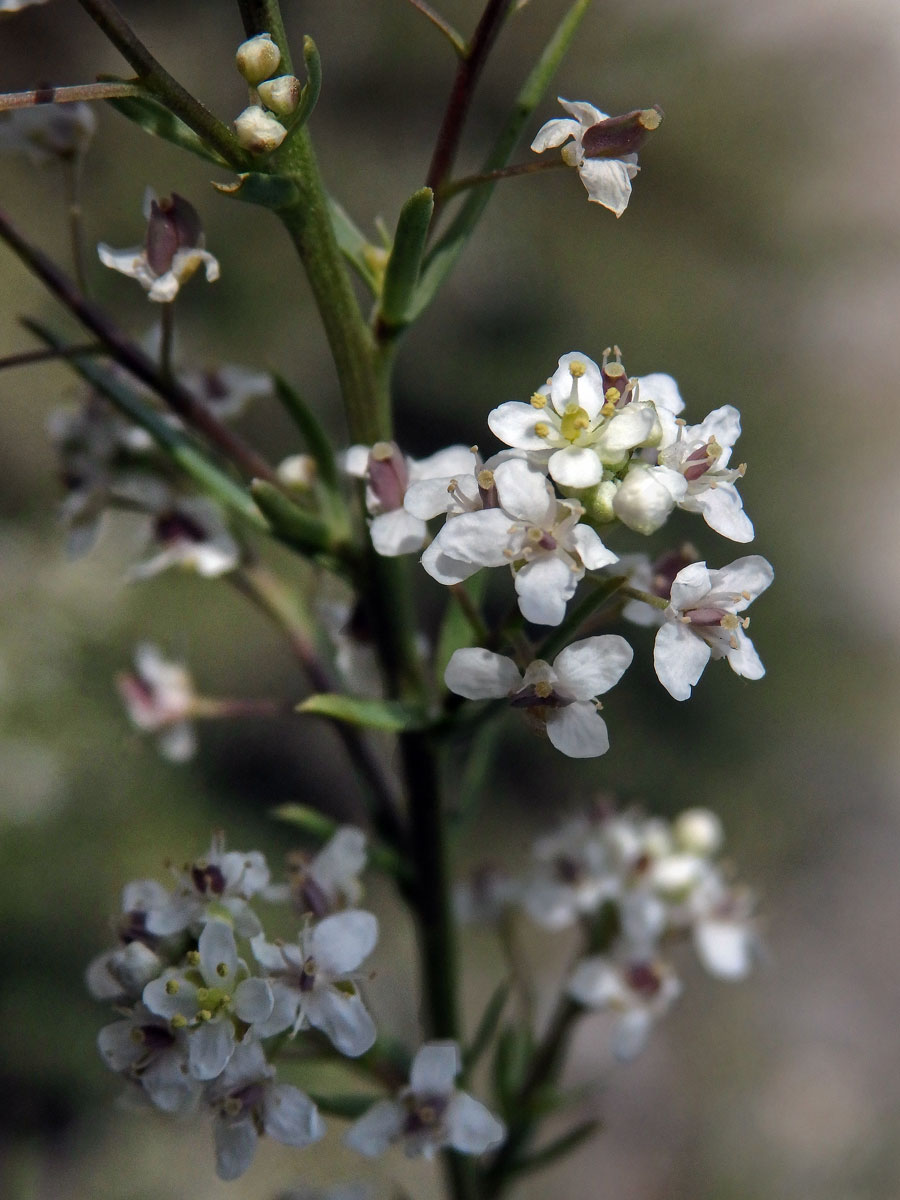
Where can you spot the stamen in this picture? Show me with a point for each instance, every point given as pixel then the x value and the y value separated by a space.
pixel 538 400
pixel 577 369
pixel 542 429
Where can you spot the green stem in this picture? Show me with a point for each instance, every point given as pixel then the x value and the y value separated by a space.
pixel 455 186
pixel 51 354
pixel 456 40
pixel 158 80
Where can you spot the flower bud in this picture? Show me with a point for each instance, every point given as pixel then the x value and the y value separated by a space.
pixel 599 502
pixel 281 95
pixel 258 58
pixel 299 471
pixel 258 131
pixel 642 502
pixel 617 136
pixel 698 831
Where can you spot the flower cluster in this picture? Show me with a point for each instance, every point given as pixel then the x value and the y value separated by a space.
pixel 591 447
pixel 274 98
pixel 196 1014
pixel 638 883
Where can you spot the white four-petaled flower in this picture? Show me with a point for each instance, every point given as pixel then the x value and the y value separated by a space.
pixel 560 696
pixel 608 180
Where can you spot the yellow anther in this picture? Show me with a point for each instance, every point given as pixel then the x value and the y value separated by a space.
pixel 745 622
pixel 577 369
pixel 193 957
pixel 581 420
pixel 204 1015
pixel 543 689
pixel 746 595
pixel 612 395
pixel 485 480
pixel 650 118
pixel 178 1021
pixel 451 486
pixel 733 642
pixel 382 451
pixel 221 969
pixel 542 429
pixel 608 409
pixel 202 994
pixel 538 400
pixel 571 408
pixel 172 986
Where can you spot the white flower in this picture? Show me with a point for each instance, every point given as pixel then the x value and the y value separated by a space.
pixel 466 491
pixel 607 179
pixel 545 546
pixel 226 390
pixel 173 250
pixel 388 473
pixel 724 927
pixel 702 623
pixel 640 992
pixel 218 885
pixel 429 1114
pixel 208 997
pixel 584 418
pixel 48 131
pixel 146 1050
pixel 247 1102
pixel 313 984
pixel 560 697
pixel 193 535
pixel 330 879
pixel 574 875
pixel 160 698
pixel 695 458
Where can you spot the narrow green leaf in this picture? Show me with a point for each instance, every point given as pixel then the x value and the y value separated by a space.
pixel 441 260
pixel 268 191
pixel 512 1055
pixel 391 716
pixel 175 443
pixel 487 1027
pixel 299 529
pixel 367 260
pixel 595 597
pixel 350 1106
pixel 317 441
pixel 154 118
pixel 556 1149
pixel 402 271
pixel 310 93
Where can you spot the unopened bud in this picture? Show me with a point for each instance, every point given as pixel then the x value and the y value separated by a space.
pixel 643 502
pixel 258 58
pixel 258 131
pixel 299 471
pixel 173 225
pixel 699 831
pixel 618 136
pixel 388 475
pixel 281 95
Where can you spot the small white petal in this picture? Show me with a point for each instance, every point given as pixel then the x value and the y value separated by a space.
pixel 578 730
pixel 217 948
pixel 253 1000
pixel 455 460
pixel 661 390
pixel 752 575
pixel 554 133
pixel 608 182
pixel 480 674
pixel 630 1034
pixel 723 511
pixel 290 1117
pixel 524 491
pixel 690 586
pixel 679 657
pixel 343 1018
pixel 725 948
pixel 575 467
pixel 544 587
pixel 397 532
pixel 434 1068
pixel 744 660
pixel 373 1133
pixel 593 665
pixel 235 1143
pixel 471 1128
pixel 586 114
pixel 590 548
pixel 341 942
pixel 514 423
pixel 210 1046
pixel 476 538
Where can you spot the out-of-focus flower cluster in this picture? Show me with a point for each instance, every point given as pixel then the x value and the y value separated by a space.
pixel 640 884
pixel 204 998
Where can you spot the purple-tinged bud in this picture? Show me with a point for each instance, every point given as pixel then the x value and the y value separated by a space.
pixel 281 95
pixel 617 136
pixel 667 566
pixel 258 58
pixel 258 131
pixel 388 475
pixel 173 225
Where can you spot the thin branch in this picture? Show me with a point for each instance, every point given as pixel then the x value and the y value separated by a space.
pixel 131 356
pixel 456 40
pixel 455 186
pixel 158 80
pixel 28 357
pixel 467 75
pixel 70 95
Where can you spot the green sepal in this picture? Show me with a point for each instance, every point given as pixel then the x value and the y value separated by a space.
pixel 291 524
pixel 487 1027
pixel 310 92
pixel 317 441
pixel 390 716
pixel 168 437
pixel 556 1149
pixel 405 263
pixel 154 118
pixel 268 191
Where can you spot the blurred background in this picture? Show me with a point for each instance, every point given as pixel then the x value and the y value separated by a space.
pixel 759 263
